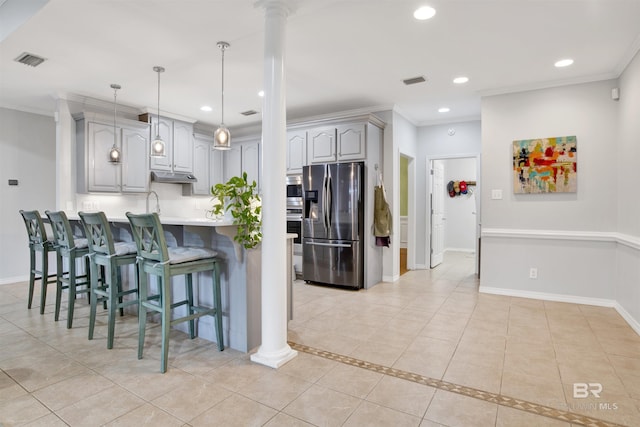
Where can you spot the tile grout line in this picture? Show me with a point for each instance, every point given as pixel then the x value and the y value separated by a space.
pixel 510 402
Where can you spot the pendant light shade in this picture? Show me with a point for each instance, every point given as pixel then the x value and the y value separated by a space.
pixel 158 145
pixel 222 136
pixel 115 156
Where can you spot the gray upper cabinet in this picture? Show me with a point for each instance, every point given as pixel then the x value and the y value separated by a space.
pixel 244 156
pixel 182 147
pixel 178 139
pixel 207 167
pixel 351 142
pixel 337 143
pixel 135 167
pixel 94 136
pixel 296 151
pixel 321 146
pixel 201 148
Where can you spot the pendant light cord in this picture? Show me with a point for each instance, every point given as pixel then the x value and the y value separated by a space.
pixel 115 95
pixel 158 121
pixel 223 49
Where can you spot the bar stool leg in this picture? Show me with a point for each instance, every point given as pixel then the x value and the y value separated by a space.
pixel 218 305
pixel 94 298
pixel 114 286
pixel 44 280
pixel 58 285
pixel 190 310
pixel 142 311
pixel 72 291
pixel 32 275
pixel 166 319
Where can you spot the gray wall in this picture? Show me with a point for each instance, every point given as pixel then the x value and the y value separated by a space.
pixel 627 289
pixel 434 142
pixel 586 245
pixel 28 146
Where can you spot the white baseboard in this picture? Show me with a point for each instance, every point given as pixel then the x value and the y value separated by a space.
pixel 8 280
pixel 391 279
pixel 421 267
pixel 466 250
pixel 635 325
pixel 601 302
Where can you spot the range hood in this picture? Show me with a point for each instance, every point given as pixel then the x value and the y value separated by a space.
pixel 173 177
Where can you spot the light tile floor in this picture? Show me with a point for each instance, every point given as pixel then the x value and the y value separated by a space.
pixel 428 350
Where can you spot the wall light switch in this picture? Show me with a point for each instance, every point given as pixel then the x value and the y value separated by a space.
pixel 496 194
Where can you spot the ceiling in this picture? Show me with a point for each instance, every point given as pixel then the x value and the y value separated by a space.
pixel 340 55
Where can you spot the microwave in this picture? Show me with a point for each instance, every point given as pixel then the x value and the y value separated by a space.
pixel 294 191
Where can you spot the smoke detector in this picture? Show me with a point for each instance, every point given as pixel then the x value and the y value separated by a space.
pixel 29 59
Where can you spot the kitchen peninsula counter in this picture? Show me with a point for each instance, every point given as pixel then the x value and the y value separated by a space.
pixel 240 275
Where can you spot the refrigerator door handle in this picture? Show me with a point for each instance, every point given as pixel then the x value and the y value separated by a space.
pixel 324 201
pixel 330 245
pixel 329 201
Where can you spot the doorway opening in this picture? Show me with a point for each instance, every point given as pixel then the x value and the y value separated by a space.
pixel 404 213
pixel 454 206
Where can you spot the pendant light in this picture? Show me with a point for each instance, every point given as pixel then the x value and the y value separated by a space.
pixel 158 145
pixel 114 153
pixel 222 136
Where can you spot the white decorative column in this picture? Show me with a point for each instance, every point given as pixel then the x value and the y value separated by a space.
pixel 274 350
pixel 65 157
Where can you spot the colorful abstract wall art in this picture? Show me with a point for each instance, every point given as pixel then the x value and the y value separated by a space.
pixel 547 165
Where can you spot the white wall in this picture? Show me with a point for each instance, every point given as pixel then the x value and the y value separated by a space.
pixel 573 238
pixel 627 289
pixel 399 138
pixel 584 110
pixel 460 211
pixel 28 146
pixel 435 142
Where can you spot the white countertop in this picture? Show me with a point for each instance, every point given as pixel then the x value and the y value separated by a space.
pixel 167 220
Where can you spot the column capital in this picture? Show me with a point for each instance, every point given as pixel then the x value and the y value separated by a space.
pixel 287 6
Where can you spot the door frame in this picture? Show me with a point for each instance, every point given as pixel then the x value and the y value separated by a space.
pixel 427 204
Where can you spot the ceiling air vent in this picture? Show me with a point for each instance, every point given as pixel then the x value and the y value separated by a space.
pixel 414 80
pixel 249 112
pixel 29 59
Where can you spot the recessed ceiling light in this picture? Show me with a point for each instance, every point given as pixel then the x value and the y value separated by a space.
pixel 261 93
pixel 206 108
pixel 443 110
pixel 424 13
pixel 460 80
pixel 563 63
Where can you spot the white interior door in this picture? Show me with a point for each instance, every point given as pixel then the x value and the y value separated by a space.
pixel 437 213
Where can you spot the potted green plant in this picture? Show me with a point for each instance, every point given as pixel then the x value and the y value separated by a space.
pixel 240 198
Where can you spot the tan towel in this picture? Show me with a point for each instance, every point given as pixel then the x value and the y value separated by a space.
pixel 382 224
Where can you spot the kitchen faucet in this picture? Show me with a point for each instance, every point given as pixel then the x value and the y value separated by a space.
pixel 157 201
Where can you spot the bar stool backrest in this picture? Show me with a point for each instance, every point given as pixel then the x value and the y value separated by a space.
pixel 149 236
pixel 61 229
pixel 35 227
pixel 98 233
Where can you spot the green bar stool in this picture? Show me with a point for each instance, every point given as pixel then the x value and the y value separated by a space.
pixel 154 257
pixel 72 248
pixel 38 242
pixel 106 253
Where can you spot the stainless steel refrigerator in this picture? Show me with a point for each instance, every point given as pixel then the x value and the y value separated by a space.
pixel 332 224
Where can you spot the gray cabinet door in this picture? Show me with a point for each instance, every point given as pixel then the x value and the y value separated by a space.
pixel 164 129
pixel 296 151
pixel 182 147
pixel 135 164
pixel 321 145
pixel 102 176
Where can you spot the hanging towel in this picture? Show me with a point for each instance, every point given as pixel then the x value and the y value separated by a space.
pixel 382 224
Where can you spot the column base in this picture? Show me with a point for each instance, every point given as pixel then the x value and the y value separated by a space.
pixel 274 360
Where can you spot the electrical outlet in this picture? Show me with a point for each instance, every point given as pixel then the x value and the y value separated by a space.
pixel 496 194
pixel 533 273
